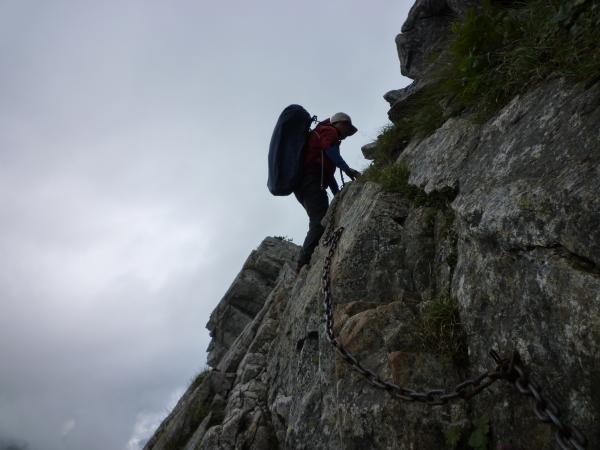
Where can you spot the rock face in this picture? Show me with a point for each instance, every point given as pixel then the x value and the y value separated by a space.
pixel 516 244
pixel 246 295
pixel 425 29
pixel 528 224
pixel 233 325
pixel 506 228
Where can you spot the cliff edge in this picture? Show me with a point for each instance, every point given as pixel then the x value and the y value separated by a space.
pixel 489 241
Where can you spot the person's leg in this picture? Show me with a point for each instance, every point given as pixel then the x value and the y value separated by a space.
pixel 315 202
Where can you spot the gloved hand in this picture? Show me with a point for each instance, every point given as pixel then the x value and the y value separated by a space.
pixel 353 174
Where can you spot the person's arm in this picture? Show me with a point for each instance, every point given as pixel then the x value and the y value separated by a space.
pixel 333 153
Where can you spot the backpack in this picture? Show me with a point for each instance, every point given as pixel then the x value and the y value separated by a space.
pixel 286 150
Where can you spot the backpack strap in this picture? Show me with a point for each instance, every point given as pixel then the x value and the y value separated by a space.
pixel 322 159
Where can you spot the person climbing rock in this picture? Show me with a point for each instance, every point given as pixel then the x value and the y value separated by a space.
pixel 321 157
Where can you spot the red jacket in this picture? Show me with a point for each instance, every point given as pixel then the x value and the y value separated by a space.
pixel 319 140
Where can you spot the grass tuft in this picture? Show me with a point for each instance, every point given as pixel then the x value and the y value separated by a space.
pixel 441 330
pixel 394 177
pixel 198 379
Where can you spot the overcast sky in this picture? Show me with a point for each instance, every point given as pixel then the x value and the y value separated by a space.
pixel 133 168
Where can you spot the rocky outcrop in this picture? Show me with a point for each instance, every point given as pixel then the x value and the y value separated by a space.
pixel 424 33
pixel 234 325
pixel 514 241
pixel 369 150
pixel 493 243
pixel 246 295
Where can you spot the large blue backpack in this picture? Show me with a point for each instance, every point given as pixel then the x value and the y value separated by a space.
pixel 286 150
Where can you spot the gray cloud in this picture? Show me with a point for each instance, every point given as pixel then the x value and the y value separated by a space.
pixel 133 139
pixel 7 444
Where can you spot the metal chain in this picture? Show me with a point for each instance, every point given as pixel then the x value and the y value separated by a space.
pixel 567 436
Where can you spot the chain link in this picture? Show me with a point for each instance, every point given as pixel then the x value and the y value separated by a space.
pixel 567 436
pixel 510 369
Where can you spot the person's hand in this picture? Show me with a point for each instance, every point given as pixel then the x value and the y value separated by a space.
pixel 353 174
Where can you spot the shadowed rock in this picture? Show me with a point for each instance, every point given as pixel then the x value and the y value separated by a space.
pixel 424 33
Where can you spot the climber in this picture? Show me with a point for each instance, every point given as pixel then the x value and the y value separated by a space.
pixel 318 174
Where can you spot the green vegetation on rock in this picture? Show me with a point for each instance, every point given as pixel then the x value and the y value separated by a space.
pixel 441 330
pixel 500 51
pixel 480 435
pixel 394 178
pixel 198 379
pixel 495 52
pixel 474 436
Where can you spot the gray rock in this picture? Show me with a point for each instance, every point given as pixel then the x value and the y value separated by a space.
pixel 528 221
pixel 247 294
pixel 188 421
pixel 424 34
pixel 400 100
pixel 415 46
pixel 368 150
pixel 517 247
pixel 528 177
pixel 426 27
pixel 194 442
pixel 424 9
pixel 190 424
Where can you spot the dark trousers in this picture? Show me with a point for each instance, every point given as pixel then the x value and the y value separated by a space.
pixel 315 202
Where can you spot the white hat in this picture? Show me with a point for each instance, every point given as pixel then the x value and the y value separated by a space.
pixel 343 117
